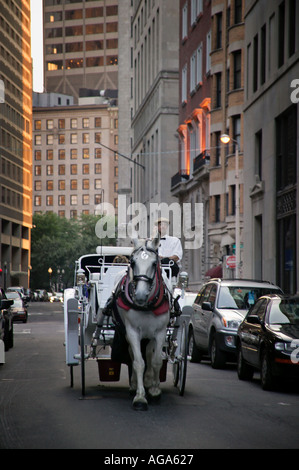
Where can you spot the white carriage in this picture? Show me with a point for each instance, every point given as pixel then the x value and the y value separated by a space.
pixel 95 276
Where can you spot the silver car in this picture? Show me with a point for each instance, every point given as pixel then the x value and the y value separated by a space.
pixel 216 314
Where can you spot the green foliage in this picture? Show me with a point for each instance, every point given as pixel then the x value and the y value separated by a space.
pixel 56 243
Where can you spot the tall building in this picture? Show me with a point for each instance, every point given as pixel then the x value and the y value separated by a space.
pixel 190 183
pixel 75 166
pixel 80 45
pixel 226 170
pixel 271 120
pixel 154 91
pixel 15 142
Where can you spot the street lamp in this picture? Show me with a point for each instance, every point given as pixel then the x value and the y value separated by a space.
pixel 50 270
pixel 225 139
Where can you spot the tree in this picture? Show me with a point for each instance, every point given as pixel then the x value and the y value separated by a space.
pixel 56 243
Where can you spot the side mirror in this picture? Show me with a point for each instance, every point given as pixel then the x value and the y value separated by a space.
pixel 207 306
pixel 254 319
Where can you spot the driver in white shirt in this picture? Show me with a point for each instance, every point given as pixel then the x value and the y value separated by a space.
pixel 170 248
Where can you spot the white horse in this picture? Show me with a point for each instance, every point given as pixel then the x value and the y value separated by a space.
pixel 144 310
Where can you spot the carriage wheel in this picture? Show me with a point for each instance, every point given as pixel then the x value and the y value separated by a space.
pixel 182 364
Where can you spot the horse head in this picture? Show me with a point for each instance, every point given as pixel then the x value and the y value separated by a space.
pixel 143 267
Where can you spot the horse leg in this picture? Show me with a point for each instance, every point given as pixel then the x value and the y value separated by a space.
pixel 139 401
pixel 148 376
pixel 156 365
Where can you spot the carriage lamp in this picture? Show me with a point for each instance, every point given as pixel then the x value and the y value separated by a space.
pixel 80 277
pixel 183 279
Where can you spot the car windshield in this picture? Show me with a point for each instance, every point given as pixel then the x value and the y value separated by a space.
pixel 240 297
pixel 12 295
pixel 285 311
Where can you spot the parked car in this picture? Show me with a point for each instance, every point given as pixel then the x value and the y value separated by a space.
pixel 42 295
pixel 268 340
pixel 19 310
pixel 21 291
pixel 56 297
pixel 217 312
pixel 6 321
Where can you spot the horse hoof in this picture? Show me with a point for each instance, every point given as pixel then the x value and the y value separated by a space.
pixel 139 406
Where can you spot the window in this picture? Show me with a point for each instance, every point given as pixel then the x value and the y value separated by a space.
pixel 219 31
pixel 199 65
pixel 97 137
pixel 258 153
pixel 184 84
pixel 98 168
pixel 50 185
pixel 97 184
pixel 237 129
pixel 37 125
pixel 50 124
pixel 50 170
pixel 61 185
pixel 281 33
pixel 38 185
pixel 193 72
pixel 255 62
pixel 85 184
pixel 97 122
pixel 292 27
pixel 37 139
pixel 85 169
pixel 217 208
pixel 61 169
pixel 263 54
pixel 85 138
pixel 37 155
pixel 74 123
pixel 37 200
pixel 74 138
pixel 185 21
pixel 238 11
pixel 218 90
pixel 98 153
pixel 74 170
pixel 49 200
pixel 208 59
pixel 85 122
pixel 74 184
pixel 50 139
pixel 237 69
pixel 50 154
pixel 61 123
pixel 61 154
pixel 37 170
pixel 73 154
pixel 61 200
pixel 85 199
pixel 74 200
pixel 85 153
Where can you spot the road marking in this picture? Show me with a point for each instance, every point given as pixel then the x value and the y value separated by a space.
pixel 23 332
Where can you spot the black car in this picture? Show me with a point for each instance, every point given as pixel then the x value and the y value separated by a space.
pixel 268 340
pixel 6 318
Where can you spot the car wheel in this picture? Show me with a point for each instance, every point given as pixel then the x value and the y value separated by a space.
pixel 244 370
pixel 267 379
pixel 194 353
pixel 218 358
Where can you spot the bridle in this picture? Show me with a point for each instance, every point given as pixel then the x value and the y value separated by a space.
pixel 144 277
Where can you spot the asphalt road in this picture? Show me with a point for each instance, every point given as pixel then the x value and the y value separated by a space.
pixel 39 410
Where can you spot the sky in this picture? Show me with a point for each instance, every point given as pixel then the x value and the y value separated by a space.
pixel 37 44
